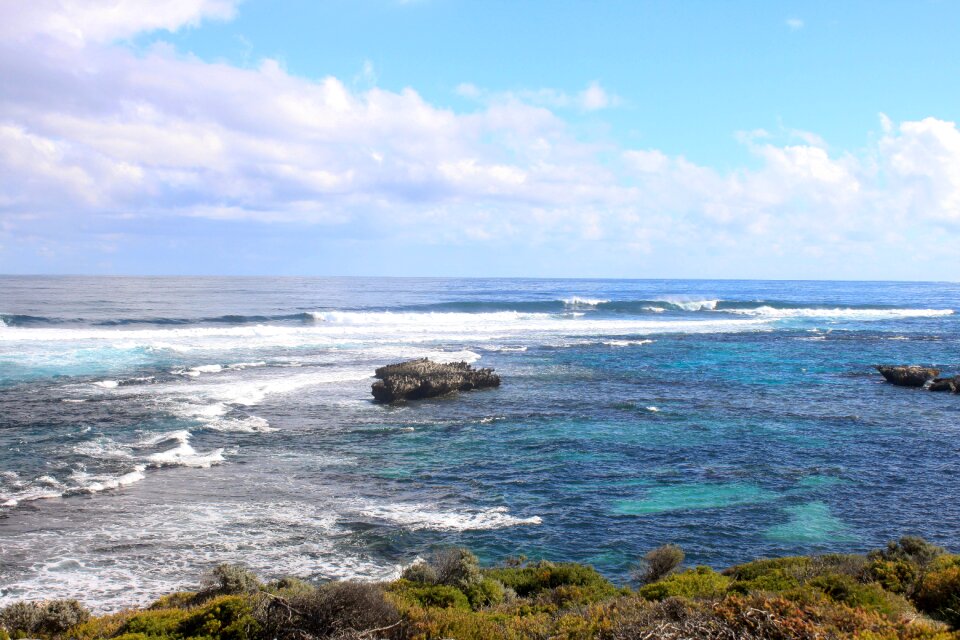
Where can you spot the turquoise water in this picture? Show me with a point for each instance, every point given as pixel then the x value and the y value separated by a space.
pixel 152 426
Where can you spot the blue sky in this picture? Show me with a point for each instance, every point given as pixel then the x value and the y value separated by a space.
pixel 441 137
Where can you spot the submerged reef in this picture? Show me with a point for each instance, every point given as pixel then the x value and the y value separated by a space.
pixel 909 589
pixel 416 379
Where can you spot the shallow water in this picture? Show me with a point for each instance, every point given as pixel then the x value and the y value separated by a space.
pixel 152 426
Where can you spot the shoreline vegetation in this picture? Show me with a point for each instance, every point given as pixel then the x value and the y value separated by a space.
pixel 910 589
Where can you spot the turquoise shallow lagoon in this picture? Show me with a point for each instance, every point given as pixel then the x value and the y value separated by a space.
pixel 152 426
pixel 811 523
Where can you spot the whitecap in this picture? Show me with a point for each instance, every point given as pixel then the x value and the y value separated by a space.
pixel 248 424
pixel 578 302
pixel 107 384
pixel 843 313
pixel 626 343
pixel 96 483
pixel 691 305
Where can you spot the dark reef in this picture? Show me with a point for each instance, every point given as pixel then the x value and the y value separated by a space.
pixel 417 379
pixel 919 377
pixel 907 376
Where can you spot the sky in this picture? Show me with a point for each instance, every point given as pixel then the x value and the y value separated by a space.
pixel 683 139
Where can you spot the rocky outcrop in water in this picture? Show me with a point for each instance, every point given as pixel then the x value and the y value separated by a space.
pixel 945 384
pixel 422 378
pixel 907 376
pixel 921 377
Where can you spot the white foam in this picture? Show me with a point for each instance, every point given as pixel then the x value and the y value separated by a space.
pixel 97 483
pixel 844 313
pixel 248 424
pixel 107 384
pixel 102 448
pixel 180 435
pixel 208 368
pixel 420 516
pixel 690 305
pixel 654 309
pixel 626 343
pixel 246 365
pixel 183 455
pixel 652 409
pixel 367 331
pixel 182 540
pixel 578 302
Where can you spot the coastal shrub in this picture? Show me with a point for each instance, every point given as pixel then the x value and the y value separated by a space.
pixel 289 587
pixel 912 549
pixel 178 600
pixel 938 591
pixel 701 582
pixel 60 615
pixel 542 576
pixel 44 618
pixel 155 623
pixel 870 597
pixel 658 563
pixel 229 579
pixel 106 626
pixel 225 618
pixel 486 593
pixel 456 567
pixel 442 596
pixel 845 564
pixel 776 581
pixel 21 617
pixel 334 610
pixel 795 566
pixel 421 572
pixel 896 576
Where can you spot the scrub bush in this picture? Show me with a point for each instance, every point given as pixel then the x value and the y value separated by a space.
pixel 442 596
pixel 542 576
pixel 869 597
pixel 229 579
pixel 43 618
pixel 702 582
pixel 938 591
pixel 334 610
pixel 658 563
pixel 420 572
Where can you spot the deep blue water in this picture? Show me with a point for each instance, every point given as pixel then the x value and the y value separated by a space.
pixel 152 426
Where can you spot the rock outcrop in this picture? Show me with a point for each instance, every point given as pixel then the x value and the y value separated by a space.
pixel 422 378
pixel 907 376
pixel 945 384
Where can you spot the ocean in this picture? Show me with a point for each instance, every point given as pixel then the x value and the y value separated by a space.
pixel 151 427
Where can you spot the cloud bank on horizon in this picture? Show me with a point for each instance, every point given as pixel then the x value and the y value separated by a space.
pixel 115 157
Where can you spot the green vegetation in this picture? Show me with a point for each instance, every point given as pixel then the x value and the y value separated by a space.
pixel 910 589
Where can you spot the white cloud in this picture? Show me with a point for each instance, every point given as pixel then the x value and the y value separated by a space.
pixel 92 131
pixel 82 21
pixel 592 98
pixel 795 24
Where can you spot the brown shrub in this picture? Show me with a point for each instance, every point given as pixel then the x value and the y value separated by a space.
pixel 658 563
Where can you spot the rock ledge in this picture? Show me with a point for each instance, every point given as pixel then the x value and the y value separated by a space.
pixel 907 376
pixel 416 379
